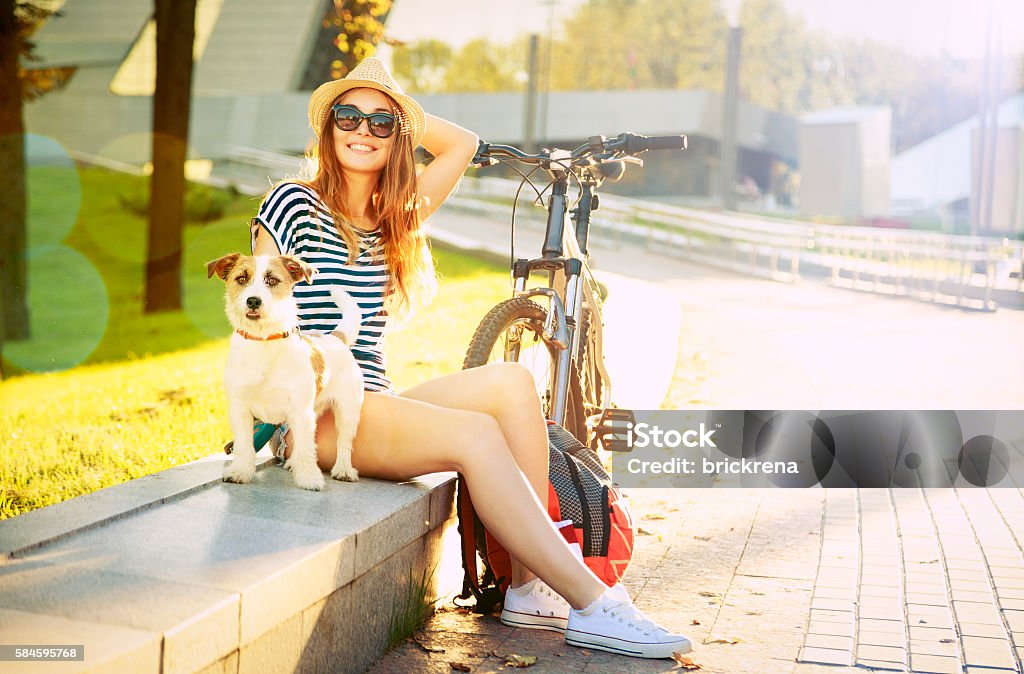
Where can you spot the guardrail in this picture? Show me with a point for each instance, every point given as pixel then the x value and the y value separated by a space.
pixel 963 271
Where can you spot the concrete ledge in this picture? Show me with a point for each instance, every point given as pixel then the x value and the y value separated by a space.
pixel 47 525
pixel 179 572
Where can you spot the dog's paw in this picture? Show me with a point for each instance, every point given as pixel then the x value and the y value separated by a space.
pixel 239 474
pixel 345 475
pixel 309 479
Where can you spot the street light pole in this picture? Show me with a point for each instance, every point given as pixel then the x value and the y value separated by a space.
pixel 727 157
pixel 530 121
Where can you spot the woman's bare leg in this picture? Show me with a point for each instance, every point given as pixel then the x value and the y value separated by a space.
pixel 401 438
pixel 507 392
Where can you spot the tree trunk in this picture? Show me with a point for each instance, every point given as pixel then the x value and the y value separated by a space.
pixel 13 211
pixel 175 35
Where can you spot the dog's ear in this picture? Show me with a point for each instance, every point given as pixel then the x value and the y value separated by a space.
pixel 299 270
pixel 222 266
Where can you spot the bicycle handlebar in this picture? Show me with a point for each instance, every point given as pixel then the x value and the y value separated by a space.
pixel 643 143
pixel 613 149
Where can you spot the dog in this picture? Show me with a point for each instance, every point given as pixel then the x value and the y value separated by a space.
pixel 278 375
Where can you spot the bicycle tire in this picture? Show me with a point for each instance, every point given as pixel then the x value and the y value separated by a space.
pixel 492 330
pixel 588 374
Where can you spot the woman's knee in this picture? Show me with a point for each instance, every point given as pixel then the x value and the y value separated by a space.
pixel 511 379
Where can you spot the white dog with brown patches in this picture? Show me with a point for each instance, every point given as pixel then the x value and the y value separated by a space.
pixel 277 375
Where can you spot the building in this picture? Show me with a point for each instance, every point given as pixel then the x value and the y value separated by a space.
pixel 935 179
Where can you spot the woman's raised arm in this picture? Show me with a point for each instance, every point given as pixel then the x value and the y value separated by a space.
pixel 453 148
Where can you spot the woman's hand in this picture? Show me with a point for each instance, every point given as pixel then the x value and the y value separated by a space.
pixel 453 148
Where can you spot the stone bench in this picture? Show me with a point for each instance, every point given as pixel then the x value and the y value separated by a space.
pixel 180 572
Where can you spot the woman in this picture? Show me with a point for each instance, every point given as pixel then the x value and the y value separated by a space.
pixel 359 222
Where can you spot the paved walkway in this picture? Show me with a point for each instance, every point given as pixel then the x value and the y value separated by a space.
pixel 804 581
pixel 761 344
pixel 796 582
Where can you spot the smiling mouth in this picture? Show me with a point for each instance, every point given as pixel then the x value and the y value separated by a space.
pixel 253 314
pixel 359 147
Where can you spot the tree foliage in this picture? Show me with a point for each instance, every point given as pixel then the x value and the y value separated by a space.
pixel 680 44
pixel 483 66
pixel 359 25
pixel 421 66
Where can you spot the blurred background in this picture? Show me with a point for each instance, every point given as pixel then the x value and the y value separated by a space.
pixel 902 114
pixel 834 146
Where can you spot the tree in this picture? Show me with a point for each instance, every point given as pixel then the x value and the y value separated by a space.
pixel 18 20
pixel 175 35
pixel 483 66
pixel 360 28
pixel 642 44
pixel 420 67
pixel 13 277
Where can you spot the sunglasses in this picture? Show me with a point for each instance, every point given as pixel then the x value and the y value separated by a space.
pixel 349 117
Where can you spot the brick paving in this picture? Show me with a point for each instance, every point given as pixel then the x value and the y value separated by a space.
pixel 805 581
pixel 794 582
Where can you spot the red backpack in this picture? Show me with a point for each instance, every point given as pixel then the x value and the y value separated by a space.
pixel 590 510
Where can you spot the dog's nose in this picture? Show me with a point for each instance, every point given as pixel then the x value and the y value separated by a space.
pixel 253 302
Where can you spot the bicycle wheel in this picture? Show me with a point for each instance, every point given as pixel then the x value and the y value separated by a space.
pixel 591 382
pixel 513 331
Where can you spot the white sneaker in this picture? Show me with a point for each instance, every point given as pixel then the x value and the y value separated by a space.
pixel 535 606
pixel 620 627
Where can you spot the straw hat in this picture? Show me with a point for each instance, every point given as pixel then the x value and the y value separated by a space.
pixel 372 74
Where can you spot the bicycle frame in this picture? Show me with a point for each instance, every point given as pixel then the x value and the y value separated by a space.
pixel 571 286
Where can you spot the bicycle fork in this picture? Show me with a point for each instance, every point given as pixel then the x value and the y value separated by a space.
pixel 560 330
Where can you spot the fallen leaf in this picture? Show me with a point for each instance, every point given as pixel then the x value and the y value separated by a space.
pixel 703 538
pixel 683 662
pixel 712 639
pixel 947 641
pixel 705 593
pixel 585 653
pixel 653 516
pixel 643 532
pixel 460 666
pixel 520 661
pixel 694 622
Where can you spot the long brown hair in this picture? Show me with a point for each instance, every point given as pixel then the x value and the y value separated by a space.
pixel 412 279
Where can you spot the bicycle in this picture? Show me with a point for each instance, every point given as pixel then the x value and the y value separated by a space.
pixel 572 380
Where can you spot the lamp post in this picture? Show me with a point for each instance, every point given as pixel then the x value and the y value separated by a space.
pixel 727 146
pixel 545 102
pixel 530 113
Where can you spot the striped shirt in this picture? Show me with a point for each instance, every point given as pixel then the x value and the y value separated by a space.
pixel 302 225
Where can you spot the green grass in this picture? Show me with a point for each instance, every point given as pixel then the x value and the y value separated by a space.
pixel 411 607
pixel 129 394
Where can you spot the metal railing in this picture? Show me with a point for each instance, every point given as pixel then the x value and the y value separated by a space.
pixel 959 270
